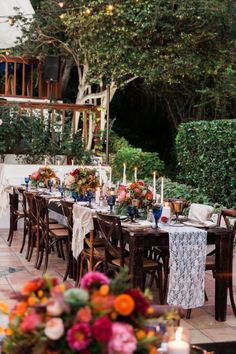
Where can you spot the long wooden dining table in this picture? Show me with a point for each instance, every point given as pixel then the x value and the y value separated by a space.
pixel 139 240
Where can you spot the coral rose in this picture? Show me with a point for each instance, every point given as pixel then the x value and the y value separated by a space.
pixel 30 322
pixel 54 328
pixel 124 304
pixel 84 314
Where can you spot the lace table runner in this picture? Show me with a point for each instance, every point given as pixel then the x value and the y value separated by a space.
pixel 187 266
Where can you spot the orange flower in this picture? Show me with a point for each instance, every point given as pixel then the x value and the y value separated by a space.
pixel 3 308
pixel 150 334
pixel 150 310
pixel 8 332
pixel 31 301
pixel 104 289
pixel 30 287
pixel 21 308
pixel 124 304
pixel 153 350
pixel 102 303
pixel 40 293
pixel 140 334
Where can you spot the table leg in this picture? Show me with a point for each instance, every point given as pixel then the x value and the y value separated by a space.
pixel 221 277
pixel 15 207
pixel 136 260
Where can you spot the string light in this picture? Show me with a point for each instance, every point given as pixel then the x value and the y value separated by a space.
pixel 109 9
pixel 88 11
pixel 61 4
pixel 10 20
pixel 62 16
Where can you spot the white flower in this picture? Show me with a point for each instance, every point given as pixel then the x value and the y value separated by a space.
pixel 54 328
pixel 54 309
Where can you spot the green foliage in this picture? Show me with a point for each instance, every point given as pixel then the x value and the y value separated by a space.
pixel 21 133
pixel 206 154
pixel 146 162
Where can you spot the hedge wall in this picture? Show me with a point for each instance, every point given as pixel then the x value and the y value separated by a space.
pixel 206 152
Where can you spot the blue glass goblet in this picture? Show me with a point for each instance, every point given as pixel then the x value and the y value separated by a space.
pixel 157 211
pixel 132 212
pixel 74 195
pixel 61 190
pixel 111 200
pixel 27 179
pixel 50 184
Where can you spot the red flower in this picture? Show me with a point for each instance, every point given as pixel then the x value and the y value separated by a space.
pixel 75 172
pixel 133 185
pixel 141 183
pixel 102 329
pixel 141 303
pixel 164 219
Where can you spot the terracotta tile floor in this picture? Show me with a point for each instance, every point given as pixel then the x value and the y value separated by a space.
pixel 15 270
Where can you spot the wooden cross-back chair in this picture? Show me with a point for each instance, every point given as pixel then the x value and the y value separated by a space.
pixel 50 234
pixel 117 257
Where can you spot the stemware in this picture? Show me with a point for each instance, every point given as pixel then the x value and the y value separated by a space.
pixel 61 190
pixel 50 184
pixel 178 206
pixel 27 179
pixel 157 210
pixel 111 200
pixel 132 212
pixel 74 195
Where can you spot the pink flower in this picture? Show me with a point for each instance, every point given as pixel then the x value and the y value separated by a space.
pixel 54 328
pixel 121 197
pixel 69 180
pixel 54 308
pixel 78 336
pixel 102 329
pixel 84 314
pixel 93 279
pixel 122 340
pixel 36 176
pixel 30 322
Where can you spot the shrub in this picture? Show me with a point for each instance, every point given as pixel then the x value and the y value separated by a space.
pixel 206 153
pixel 146 162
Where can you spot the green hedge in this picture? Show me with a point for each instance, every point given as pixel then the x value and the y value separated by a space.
pixel 206 153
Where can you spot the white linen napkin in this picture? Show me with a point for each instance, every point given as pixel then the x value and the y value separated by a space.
pixel 82 225
pixel 200 212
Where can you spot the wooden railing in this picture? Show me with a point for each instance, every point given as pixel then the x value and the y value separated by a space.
pixel 90 116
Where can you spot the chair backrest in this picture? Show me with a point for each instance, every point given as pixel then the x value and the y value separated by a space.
pixel 67 208
pixel 110 228
pixel 42 213
pixel 30 206
pixel 227 214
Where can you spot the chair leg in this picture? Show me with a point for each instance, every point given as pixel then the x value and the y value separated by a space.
pixel 188 314
pixel 11 231
pixel 47 248
pixel 61 250
pixel 24 237
pixel 38 266
pixel 231 295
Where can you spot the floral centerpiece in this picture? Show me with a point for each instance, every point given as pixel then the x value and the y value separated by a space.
pixel 136 193
pixel 103 316
pixel 81 180
pixel 43 175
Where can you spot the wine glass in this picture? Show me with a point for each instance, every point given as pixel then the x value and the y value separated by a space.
pixel 27 179
pixel 61 190
pixel 178 206
pixel 111 200
pixel 74 195
pixel 50 184
pixel 157 210
pixel 132 212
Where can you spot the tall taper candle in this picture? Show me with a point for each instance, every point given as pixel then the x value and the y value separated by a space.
pixel 154 185
pixel 135 174
pixel 124 174
pixel 162 190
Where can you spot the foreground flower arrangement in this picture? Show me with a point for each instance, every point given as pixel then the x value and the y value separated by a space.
pixel 103 316
pixel 81 180
pixel 42 176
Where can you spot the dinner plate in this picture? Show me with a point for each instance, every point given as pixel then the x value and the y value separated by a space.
pixel 193 224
